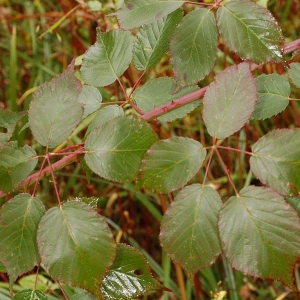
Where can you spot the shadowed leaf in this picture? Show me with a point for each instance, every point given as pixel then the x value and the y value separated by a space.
pixel 294 73
pixel 260 234
pixel 19 219
pixel 189 231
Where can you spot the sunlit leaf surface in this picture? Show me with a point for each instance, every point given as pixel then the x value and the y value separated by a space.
pixel 260 234
pixel 91 99
pixel 30 295
pixel 251 31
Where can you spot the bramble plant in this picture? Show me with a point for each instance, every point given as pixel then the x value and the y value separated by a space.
pixel 257 230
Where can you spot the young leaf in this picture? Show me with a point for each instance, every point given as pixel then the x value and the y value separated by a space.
pixel 108 58
pixel 251 31
pixel 273 96
pixel 153 41
pixel 115 149
pixel 30 295
pixel 135 13
pixel 104 115
pixel 19 219
pixel 229 101
pixel 276 159
pixel 189 231
pixel 15 165
pixel 294 73
pixel 194 47
pixel 169 164
pixel 91 99
pixel 158 92
pixel 8 121
pixel 129 276
pixel 51 103
pixel 260 234
pixel 76 245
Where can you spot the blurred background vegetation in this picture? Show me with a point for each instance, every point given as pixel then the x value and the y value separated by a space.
pixel 38 39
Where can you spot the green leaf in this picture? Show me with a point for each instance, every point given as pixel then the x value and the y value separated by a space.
pixel 2 268
pixel 8 122
pixel 169 164
pixel 260 234
pixel 189 231
pixel 158 92
pixel 91 99
pixel 276 159
pixel 19 219
pixel 38 282
pixel 91 201
pixel 15 165
pixel 229 101
pixel 84 295
pixel 51 103
pixel 194 47
pixel 129 277
pixel 30 295
pixel 294 73
pixel 153 41
pixel 115 149
pixel 273 96
pixel 108 58
pixel 295 202
pixel 135 13
pixel 251 31
pixel 104 115
pixel 76 245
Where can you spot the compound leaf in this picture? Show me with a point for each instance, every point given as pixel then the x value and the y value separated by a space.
pixel 30 295
pixel 51 103
pixel 276 159
pixel 273 96
pixel 108 58
pixel 8 122
pixel 169 164
pixel 129 277
pixel 229 101
pixel 19 219
pixel 251 31
pixel 91 99
pixel 76 245
pixel 16 164
pixel 294 73
pixel 260 234
pixel 116 148
pixel 135 13
pixel 153 41
pixel 189 231
pixel 194 47
pixel 158 92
